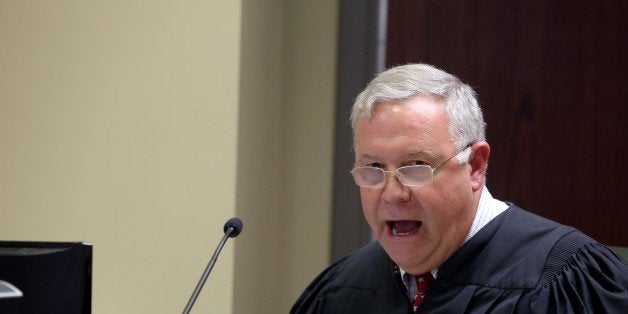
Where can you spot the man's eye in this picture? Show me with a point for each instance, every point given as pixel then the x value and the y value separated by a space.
pixel 416 163
pixel 375 165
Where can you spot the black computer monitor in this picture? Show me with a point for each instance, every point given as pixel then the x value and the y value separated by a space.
pixel 54 277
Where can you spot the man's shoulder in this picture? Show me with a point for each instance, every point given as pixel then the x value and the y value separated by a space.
pixel 517 244
pixel 522 228
pixel 358 276
pixel 534 265
pixel 371 259
pixel 367 268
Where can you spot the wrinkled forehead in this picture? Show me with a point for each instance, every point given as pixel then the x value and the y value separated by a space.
pixel 436 106
pixel 417 122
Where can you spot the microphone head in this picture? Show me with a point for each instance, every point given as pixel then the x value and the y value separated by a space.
pixel 233 226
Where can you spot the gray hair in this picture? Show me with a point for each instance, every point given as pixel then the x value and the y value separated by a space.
pixel 466 124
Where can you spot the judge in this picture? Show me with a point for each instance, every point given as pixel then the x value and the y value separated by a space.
pixel 444 244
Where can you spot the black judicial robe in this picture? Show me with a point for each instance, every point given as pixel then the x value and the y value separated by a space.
pixel 517 263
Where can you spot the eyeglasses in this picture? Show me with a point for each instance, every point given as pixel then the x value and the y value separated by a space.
pixel 415 175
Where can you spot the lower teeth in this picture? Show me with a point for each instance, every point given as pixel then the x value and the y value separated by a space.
pixel 396 232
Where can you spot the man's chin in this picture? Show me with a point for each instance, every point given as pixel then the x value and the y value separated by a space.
pixel 410 263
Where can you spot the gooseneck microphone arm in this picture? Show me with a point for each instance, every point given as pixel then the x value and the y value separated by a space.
pixel 232 229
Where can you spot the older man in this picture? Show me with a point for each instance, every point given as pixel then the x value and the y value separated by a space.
pixel 444 244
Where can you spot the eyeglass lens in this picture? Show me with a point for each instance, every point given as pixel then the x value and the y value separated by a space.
pixel 409 175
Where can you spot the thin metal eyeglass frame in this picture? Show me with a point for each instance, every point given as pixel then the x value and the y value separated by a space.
pixel 396 171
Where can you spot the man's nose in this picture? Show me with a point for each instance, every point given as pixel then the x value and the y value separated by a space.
pixel 395 191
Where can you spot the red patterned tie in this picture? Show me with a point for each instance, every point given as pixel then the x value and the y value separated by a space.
pixel 423 281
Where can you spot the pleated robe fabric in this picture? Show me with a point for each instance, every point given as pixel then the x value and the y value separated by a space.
pixel 517 263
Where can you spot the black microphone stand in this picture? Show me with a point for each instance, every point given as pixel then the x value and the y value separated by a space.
pixel 230 231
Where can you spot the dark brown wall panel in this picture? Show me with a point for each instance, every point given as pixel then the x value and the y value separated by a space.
pixel 551 78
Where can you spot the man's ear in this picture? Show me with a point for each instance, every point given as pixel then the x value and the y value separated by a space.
pixel 478 162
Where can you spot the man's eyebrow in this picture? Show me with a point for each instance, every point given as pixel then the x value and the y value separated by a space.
pixel 368 156
pixel 407 154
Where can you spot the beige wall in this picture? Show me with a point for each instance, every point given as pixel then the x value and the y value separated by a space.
pixel 285 150
pixel 143 126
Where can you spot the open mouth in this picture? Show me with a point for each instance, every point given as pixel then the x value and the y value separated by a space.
pixel 402 228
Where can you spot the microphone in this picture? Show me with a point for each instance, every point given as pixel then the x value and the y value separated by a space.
pixel 232 229
pixel 233 226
